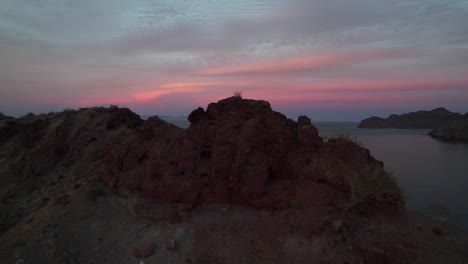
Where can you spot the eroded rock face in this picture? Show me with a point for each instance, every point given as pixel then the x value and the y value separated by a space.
pixel 238 152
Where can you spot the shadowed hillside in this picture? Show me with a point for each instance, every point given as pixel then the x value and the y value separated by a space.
pixel 242 184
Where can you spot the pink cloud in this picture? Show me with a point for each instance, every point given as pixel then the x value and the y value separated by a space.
pixel 382 86
pixel 151 95
pixel 312 62
pixel 340 94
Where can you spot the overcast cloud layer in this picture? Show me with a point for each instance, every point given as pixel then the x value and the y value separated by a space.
pixel 332 60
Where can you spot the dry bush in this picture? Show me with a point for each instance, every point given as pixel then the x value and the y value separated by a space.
pixel 375 182
pixel 238 94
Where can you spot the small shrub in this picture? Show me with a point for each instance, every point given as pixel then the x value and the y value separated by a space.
pixel 238 94
pixel 350 139
pixel 95 193
pixel 439 212
pixel 375 182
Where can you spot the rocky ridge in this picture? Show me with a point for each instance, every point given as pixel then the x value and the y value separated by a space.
pixel 420 119
pixel 241 172
pixel 238 152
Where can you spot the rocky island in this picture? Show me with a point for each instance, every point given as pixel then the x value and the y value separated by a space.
pixel 414 120
pixel 243 184
pixel 456 130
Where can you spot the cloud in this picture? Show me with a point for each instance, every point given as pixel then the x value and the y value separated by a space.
pixel 391 86
pixel 311 63
pixel 149 52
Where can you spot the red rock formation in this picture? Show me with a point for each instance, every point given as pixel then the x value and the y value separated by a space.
pixel 239 152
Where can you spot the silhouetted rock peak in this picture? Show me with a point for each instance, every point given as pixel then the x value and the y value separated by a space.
pixel 232 107
pixel 420 119
pixel 440 109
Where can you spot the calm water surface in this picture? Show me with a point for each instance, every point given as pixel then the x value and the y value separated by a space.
pixel 433 174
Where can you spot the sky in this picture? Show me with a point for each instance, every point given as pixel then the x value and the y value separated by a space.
pixel 329 59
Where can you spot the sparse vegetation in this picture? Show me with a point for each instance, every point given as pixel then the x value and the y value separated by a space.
pixel 350 139
pixel 439 212
pixel 375 182
pixel 238 94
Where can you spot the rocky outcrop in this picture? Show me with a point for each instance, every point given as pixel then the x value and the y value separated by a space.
pixel 40 153
pixel 237 152
pixel 164 194
pixel 420 119
pixel 456 130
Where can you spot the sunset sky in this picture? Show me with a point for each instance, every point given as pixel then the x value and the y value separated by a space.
pixel 331 60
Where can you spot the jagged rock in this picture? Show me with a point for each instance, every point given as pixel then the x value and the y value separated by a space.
pixel 307 134
pixel 144 251
pixel 196 115
pixel 238 151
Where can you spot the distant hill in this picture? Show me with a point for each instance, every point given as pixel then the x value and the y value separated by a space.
pixel 456 130
pixel 413 120
pixel 4 117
